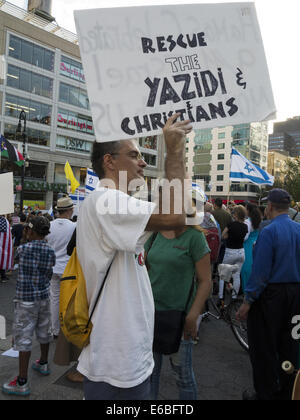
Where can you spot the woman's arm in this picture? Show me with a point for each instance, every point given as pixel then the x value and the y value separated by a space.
pixel 225 233
pixel 203 273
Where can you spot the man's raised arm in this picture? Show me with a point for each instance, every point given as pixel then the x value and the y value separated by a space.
pixel 172 215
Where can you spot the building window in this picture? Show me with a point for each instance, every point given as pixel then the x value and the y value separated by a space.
pixel 74 121
pixel 221 156
pixel 30 53
pixel 38 137
pixel 254 157
pixel 60 177
pixel 36 170
pixel 149 159
pixel 221 146
pixel 73 144
pixel 221 136
pixel 219 188
pixel 149 142
pixel 73 96
pixel 29 81
pixel 72 69
pixel 220 167
pixel 220 177
pixel 35 111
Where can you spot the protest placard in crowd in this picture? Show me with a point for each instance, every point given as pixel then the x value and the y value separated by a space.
pixel 6 193
pixel 205 61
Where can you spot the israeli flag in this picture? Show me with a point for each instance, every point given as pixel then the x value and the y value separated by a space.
pixel 242 170
pixel 91 181
pixel 200 191
pixel 50 211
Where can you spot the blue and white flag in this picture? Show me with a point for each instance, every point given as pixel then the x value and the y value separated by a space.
pixel 50 211
pixel 91 181
pixel 242 170
pixel 200 192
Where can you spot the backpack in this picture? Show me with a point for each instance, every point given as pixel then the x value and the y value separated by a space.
pixel 74 317
pixel 73 304
pixel 214 243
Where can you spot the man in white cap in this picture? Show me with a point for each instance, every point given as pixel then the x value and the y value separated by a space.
pixel 61 230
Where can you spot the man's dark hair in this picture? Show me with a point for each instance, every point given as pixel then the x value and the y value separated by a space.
pixel 254 215
pixel 99 151
pixel 219 202
pixel 23 218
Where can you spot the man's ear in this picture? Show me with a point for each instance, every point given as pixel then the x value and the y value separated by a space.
pixel 108 162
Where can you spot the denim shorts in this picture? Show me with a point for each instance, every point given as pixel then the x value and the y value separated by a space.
pixel 30 317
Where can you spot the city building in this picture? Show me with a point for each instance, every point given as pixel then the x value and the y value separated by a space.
pixel 209 155
pixel 41 73
pixel 286 137
pixel 277 164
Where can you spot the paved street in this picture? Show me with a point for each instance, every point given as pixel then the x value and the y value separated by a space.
pixel 221 366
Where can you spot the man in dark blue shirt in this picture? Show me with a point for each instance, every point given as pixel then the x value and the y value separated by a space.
pixel 272 299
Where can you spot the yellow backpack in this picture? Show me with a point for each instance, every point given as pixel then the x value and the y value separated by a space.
pixel 74 316
pixel 73 304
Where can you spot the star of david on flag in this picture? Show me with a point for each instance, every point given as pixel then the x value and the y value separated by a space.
pixel 91 181
pixel 242 170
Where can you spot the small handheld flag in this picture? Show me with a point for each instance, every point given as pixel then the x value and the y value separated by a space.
pixel 9 151
pixel 70 176
pixel 91 181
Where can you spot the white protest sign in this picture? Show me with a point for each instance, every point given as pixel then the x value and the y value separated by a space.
pixel 2 328
pixel 6 193
pixel 142 64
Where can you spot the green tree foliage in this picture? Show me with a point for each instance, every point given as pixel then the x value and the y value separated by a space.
pixel 292 178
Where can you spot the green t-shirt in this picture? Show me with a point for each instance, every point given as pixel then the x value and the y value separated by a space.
pixel 171 265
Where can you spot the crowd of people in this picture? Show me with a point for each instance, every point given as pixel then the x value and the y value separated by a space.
pixel 152 276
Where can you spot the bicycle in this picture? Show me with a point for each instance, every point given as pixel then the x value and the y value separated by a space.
pixel 289 369
pixel 227 307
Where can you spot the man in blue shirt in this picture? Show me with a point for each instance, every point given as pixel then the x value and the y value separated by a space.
pixel 272 300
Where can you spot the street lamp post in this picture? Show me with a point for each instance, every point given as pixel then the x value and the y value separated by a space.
pixel 22 117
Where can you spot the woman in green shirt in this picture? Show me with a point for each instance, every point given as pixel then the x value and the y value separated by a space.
pixel 174 260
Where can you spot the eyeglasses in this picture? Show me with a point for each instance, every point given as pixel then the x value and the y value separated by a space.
pixel 133 155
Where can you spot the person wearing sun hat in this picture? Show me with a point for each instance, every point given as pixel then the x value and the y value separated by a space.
pixel 272 300
pixel 62 229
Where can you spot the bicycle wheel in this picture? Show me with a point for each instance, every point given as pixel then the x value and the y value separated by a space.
pixel 213 307
pixel 239 328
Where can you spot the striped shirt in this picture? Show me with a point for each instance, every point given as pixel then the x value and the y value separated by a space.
pixel 36 260
pixel 6 245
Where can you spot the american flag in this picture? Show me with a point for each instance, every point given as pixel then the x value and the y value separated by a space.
pixel 6 245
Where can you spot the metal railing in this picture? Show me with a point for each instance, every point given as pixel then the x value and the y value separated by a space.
pixel 35 20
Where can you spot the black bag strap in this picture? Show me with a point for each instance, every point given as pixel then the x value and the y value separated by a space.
pixel 100 291
pixel 190 295
pixel 295 215
pixel 154 235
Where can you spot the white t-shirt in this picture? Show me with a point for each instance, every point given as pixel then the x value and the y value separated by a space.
pixel 250 228
pixel 61 231
pixel 120 349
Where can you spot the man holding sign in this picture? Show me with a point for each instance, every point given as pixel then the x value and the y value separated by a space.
pixel 118 362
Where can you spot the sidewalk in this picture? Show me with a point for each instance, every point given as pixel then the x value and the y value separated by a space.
pixel 52 387
pixel 222 369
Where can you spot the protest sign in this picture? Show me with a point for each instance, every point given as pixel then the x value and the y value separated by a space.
pixel 205 61
pixel 6 193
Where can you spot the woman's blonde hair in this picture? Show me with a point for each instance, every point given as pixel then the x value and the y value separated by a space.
pixel 240 212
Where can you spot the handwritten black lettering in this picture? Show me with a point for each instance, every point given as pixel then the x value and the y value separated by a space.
pixel 163 44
